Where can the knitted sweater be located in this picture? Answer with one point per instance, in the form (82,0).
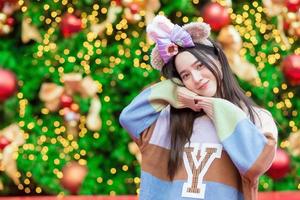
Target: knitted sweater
(223,161)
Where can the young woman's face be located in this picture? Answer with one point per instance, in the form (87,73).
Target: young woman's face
(195,75)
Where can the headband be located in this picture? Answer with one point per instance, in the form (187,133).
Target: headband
(168,37)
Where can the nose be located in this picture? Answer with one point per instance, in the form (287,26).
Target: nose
(197,76)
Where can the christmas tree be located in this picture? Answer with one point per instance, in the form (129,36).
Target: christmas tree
(68,68)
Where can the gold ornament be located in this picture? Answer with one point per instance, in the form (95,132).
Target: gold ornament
(294,143)
(274,7)
(152,6)
(50,93)
(9,154)
(293,21)
(29,32)
(72,83)
(3,17)
(88,87)
(232,43)
(4,28)
(93,121)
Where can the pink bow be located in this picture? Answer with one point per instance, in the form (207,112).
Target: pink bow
(168,37)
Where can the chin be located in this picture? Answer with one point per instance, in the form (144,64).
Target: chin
(210,92)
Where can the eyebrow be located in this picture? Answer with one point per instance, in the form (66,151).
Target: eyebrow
(194,63)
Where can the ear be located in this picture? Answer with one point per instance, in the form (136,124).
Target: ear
(155,59)
(160,27)
(199,31)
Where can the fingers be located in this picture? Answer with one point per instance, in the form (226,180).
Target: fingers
(204,104)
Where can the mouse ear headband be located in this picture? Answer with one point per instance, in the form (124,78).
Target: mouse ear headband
(168,37)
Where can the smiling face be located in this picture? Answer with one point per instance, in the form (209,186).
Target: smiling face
(195,75)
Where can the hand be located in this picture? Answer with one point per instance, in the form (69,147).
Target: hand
(186,98)
(189,99)
(206,104)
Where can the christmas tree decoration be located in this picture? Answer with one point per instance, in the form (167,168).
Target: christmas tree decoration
(50,93)
(6,25)
(66,101)
(8,84)
(70,24)
(292,23)
(72,83)
(134,7)
(117,2)
(277,8)
(292,5)
(56,97)
(3,142)
(132,12)
(112,14)
(216,16)
(294,143)
(93,121)
(274,7)
(88,87)
(29,32)
(232,43)
(11,138)
(280,166)
(151,7)
(291,69)
(73,176)
(10,21)
(71,118)
(9,7)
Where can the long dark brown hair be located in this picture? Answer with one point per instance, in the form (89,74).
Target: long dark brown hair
(182,120)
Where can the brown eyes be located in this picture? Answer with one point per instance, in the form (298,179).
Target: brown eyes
(200,66)
(185,76)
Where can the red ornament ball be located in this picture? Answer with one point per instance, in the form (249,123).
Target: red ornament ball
(73,176)
(70,24)
(216,16)
(1,4)
(291,69)
(292,5)
(3,142)
(10,21)
(8,84)
(134,8)
(280,166)
(118,2)
(66,101)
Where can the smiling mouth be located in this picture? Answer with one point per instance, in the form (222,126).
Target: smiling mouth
(203,85)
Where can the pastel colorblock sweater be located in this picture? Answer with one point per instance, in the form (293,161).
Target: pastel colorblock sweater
(223,161)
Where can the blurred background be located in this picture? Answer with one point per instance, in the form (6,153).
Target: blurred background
(68,67)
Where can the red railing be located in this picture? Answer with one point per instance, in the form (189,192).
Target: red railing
(261,196)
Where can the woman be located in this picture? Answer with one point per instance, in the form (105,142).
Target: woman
(199,135)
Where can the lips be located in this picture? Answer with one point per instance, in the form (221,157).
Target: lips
(203,85)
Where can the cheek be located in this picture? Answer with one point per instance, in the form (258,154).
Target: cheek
(188,84)
(210,76)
